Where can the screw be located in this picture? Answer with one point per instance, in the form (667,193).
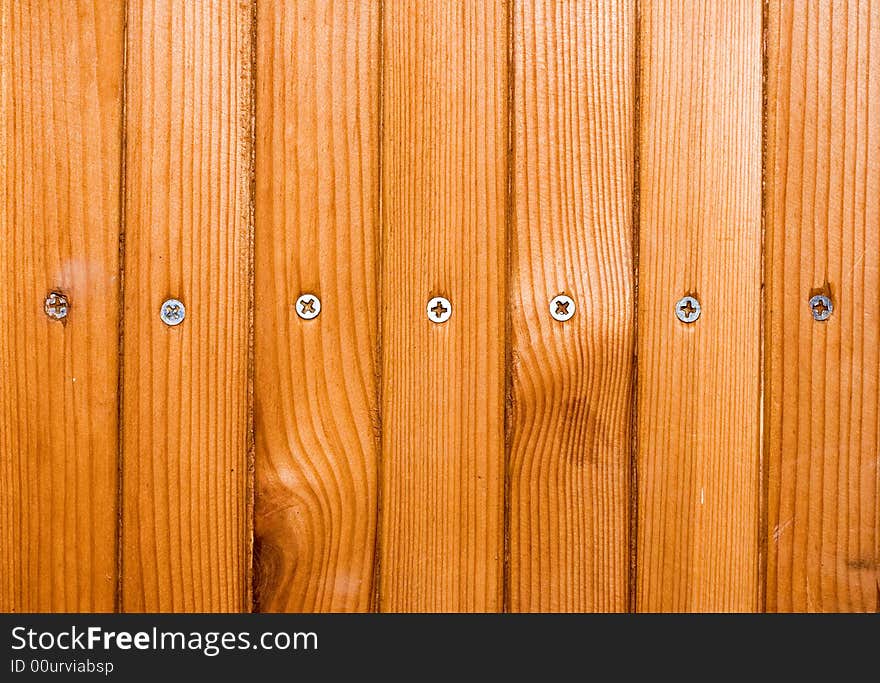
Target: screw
(688,309)
(308,306)
(172,312)
(56,306)
(821,307)
(439,309)
(562,307)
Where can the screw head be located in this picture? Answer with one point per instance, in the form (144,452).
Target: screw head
(821,307)
(439,309)
(562,308)
(688,309)
(172,312)
(56,306)
(308,306)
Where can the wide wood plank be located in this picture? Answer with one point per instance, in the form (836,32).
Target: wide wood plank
(316,232)
(187,210)
(571,381)
(700,234)
(444,176)
(60,135)
(823,236)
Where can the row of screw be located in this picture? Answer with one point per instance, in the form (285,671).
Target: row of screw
(688,309)
(562,308)
(57,306)
(439,309)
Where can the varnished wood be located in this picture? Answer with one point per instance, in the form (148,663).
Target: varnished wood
(316,232)
(570,414)
(444,181)
(823,235)
(699,385)
(60,135)
(187,213)
(237,153)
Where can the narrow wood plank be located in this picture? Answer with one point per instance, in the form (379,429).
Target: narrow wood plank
(823,236)
(571,381)
(60,136)
(700,234)
(187,205)
(444,174)
(316,232)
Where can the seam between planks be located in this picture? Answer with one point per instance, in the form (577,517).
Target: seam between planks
(379,362)
(763,405)
(120,313)
(508,309)
(250,436)
(634,384)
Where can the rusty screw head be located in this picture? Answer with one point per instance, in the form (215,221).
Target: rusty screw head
(172,312)
(56,306)
(821,307)
(687,309)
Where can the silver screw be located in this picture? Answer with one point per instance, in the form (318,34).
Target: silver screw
(439,309)
(687,309)
(562,307)
(308,306)
(56,306)
(172,312)
(821,307)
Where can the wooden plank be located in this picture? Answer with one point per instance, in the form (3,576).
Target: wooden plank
(444,173)
(185,405)
(700,234)
(60,136)
(316,232)
(823,236)
(570,414)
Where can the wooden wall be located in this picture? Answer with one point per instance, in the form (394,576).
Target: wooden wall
(235,154)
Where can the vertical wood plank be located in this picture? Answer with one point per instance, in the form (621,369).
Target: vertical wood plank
(823,236)
(316,232)
(700,234)
(444,139)
(60,135)
(571,381)
(185,404)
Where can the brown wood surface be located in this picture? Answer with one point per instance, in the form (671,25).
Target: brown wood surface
(823,236)
(570,413)
(235,154)
(444,186)
(60,135)
(316,232)
(185,527)
(700,234)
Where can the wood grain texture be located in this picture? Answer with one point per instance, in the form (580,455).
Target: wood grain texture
(823,236)
(570,413)
(316,232)
(700,234)
(187,206)
(444,176)
(60,135)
